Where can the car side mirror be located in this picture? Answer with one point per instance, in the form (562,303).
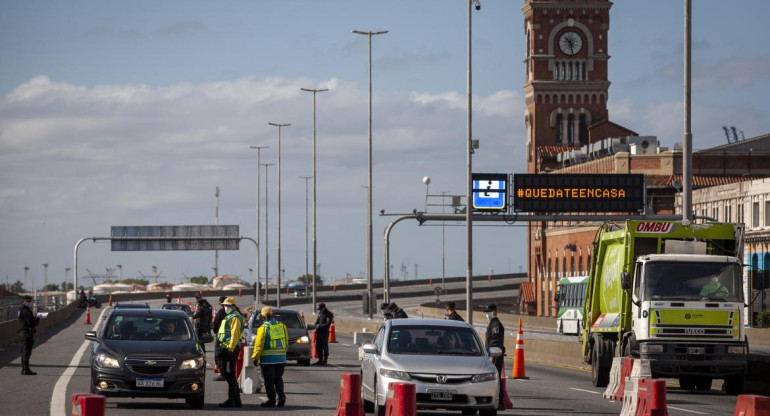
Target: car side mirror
(625,281)
(495,352)
(91,336)
(206,338)
(369,348)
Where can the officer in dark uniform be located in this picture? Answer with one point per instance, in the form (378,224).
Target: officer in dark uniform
(322,326)
(27,333)
(396,312)
(451,313)
(495,337)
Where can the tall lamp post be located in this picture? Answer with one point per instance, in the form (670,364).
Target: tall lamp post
(259,197)
(369,204)
(315,181)
(278,289)
(469,180)
(307,178)
(267,234)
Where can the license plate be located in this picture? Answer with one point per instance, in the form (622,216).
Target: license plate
(149,382)
(696,350)
(441,395)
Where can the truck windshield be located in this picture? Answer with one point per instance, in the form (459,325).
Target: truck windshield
(693,281)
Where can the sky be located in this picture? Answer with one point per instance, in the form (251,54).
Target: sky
(132,113)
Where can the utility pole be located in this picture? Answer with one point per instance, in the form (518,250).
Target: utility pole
(267,232)
(259,218)
(216,219)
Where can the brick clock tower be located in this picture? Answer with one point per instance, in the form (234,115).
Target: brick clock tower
(566,75)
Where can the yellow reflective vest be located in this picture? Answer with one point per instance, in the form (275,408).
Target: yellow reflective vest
(271,343)
(229,334)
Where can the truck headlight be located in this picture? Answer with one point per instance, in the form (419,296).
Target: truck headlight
(192,364)
(398,375)
(736,349)
(104,360)
(303,340)
(651,348)
(480,378)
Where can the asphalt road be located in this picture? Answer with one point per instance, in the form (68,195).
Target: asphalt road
(61,360)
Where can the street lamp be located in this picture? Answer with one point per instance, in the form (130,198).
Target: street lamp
(426,181)
(278,291)
(469,179)
(369,205)
(120,271)
(307,178)
(259,195)
(315,181)
(267,233)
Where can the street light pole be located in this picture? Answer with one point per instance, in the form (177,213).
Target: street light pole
(687,145)
(306,178)
(469,180)
(259,197)
(267,233)
(315,181)
(443,239)
(278,289)
(369,276)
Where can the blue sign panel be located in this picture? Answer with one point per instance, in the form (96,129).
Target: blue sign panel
(490,191)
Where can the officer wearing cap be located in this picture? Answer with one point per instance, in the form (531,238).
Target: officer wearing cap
(229,340)
(27,333)
(322,324)
(451,313)
(202,318)
(495,337)
(270,346)
(396,312)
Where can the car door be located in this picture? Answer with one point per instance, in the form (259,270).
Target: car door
(369,365)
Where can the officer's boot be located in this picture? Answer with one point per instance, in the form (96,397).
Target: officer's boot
(26,371)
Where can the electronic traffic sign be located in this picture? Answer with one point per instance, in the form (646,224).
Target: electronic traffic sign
(578,193)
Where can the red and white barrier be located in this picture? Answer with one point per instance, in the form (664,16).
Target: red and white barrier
(752,405)
(349,403)
(651,398)
(630,394)
(612,385)
(401,400)
(87,404)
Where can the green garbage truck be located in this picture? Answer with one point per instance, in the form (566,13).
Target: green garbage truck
(670,292)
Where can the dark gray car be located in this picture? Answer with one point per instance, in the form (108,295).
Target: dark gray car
(299,340)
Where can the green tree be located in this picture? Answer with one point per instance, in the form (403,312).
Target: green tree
(52,287)
(201,280)
(307,280)
(68,286)
(17,287)
(132,281)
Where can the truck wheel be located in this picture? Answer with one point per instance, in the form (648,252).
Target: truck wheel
(733,385)
(703,383)
(687,382)
(600,371)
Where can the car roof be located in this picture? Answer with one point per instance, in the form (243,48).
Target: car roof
(426,322)
(175,304)
(138,305)
(155,313)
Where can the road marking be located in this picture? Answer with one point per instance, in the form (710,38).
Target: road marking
(687,410)
(346,345)
(59,395)
(335,365)
(587,391)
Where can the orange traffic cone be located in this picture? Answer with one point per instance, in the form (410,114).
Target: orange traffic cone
(239,292)
(430,282)
(287,290)
(110,299)
(332,333)
(518,358)
(88,315)
(489,278)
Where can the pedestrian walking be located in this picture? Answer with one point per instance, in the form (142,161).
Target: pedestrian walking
(495,337)
(202,318)
(27,333)
(451,313)
(217,323)
(396,312)
(229,340)
(270,346)
(322,324)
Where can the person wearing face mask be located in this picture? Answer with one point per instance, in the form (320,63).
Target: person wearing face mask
(495,337)
(322,325)
(270,346)
(229,340)
(27,333)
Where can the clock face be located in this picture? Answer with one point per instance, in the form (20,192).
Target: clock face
(570,43)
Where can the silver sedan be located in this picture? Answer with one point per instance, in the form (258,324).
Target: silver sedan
(445,360)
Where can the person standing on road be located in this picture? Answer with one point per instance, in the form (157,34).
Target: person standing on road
(270,346)
(168,297)
(27,333)
(217,323)
(451,313)
(229,340)
(202,318)
(322,324)
(396,312)
(495,337)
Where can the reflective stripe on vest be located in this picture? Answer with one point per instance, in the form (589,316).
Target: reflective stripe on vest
(277,335)
(224,334)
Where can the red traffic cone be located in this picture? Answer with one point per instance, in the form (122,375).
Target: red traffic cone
(430,282)
(239,292)
(518,358)
(110,299)
(489,278)
(313,351)
(332,333)
(88,315)
(506,400)
(349,402)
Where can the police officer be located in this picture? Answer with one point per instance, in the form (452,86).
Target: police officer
(495,337)
(202,318)
(396,312)
(451,313)
(322,324)
(229,340)
(270,346)
(27,333)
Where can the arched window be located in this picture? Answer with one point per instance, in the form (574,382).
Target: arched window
(559,119)
(580,265)
(556,267)
(564,267)
(571,129)
(572,265)
(583,129)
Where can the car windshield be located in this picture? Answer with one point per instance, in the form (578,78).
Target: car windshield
(290,319)
(146,328)
(693,281)
(434,340)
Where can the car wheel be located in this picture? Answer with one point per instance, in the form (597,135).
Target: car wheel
(304,362)
(687,382)
(492,412)
(469,412)
(733,385)
(703,383)
(379,410)
(197,402)
(368,406)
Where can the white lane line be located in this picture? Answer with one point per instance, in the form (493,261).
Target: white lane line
(586,391)
(59,396)
(345,345)
(687,410)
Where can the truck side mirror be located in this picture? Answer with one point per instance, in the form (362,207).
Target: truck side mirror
(625,281)
(557,296)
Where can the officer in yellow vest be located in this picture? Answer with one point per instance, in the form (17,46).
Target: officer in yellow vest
(229,340)
(270,352)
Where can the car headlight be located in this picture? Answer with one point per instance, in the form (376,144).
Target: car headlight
(398,375)
(192,364)
(480,378)
(303,340)
(104,360)
(651,348)
(736,349)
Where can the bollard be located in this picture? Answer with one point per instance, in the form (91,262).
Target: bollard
(349,403)
(332,333)
(87,404)
(401,400)
(752,405)
(88,314)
